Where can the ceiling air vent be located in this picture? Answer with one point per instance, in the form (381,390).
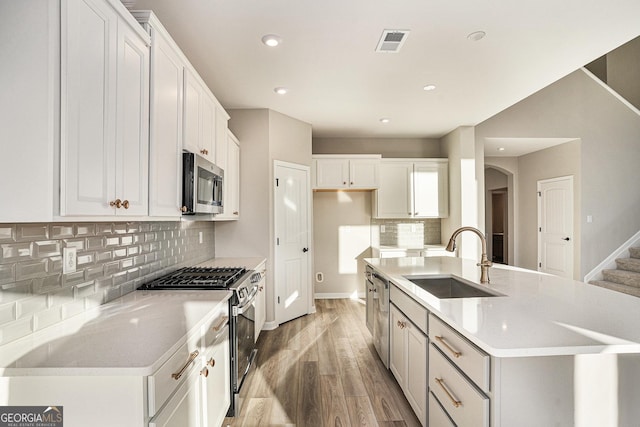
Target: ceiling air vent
(392,40)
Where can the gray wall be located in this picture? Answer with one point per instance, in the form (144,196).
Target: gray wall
(466,189)
(579,107)
(113,260)
(387,147)
(561,160)
(342,234)
(623,71)
(264,136)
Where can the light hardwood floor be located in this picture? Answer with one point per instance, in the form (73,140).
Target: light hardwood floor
(322,370)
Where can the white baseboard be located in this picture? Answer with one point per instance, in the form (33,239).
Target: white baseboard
(348,295)
(269,326)
(610,262)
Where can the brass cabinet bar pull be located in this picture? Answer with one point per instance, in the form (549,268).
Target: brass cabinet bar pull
(192,357)
(454,401)
(453,351)
(223,321)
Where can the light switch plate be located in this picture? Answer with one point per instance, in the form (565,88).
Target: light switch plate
(69,260)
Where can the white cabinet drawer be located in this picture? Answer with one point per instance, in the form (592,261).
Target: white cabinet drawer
(414,311)
(471,360)
(465,404)
(162,383)
(438,417)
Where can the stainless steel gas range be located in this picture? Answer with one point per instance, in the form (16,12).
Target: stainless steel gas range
(244,284)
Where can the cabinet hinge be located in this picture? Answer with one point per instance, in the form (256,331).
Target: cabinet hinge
(277,241)
(277,182)
(539,264)
(278,300)
(540,229)
(539,193)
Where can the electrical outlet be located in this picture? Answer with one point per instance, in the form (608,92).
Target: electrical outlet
(69,260)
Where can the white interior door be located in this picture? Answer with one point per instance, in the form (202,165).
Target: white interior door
(555,226)
(292,235)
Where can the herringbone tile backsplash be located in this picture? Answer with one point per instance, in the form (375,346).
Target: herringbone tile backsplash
(113,260)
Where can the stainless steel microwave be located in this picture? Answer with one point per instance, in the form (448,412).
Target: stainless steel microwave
(201,185)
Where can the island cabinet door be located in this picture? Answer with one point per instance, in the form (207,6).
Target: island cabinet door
(409,361)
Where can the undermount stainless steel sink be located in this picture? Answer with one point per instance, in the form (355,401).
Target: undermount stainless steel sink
(450,287)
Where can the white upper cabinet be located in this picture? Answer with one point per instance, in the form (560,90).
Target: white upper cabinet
(199,116)
(345,172)
(412,188)
(394,197)
(166,102)
(222,121)
(104,112)
(431,189)
(231,195)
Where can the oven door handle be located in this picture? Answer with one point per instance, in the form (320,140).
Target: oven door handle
(241,310)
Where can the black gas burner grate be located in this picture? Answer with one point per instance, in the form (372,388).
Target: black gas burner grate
(197,278)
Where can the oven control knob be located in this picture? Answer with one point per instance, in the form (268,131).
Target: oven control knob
(242,293)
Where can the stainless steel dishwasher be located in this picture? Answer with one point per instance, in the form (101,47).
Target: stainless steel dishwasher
(381,316)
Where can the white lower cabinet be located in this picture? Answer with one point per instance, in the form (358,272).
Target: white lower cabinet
(216,381)
(460,397)
(182,410)
(190,389)
(408,361)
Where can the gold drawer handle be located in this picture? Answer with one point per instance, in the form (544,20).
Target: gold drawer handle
(402,325)
(223,321)
(211,362)
(454,401)
(116,203)
(204,372)
(125,204)
(192,357)
(453,351)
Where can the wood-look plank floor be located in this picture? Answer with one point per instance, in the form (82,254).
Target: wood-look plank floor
(322,370)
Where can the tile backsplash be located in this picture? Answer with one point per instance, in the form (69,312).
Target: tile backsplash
(411,233)
(113,259)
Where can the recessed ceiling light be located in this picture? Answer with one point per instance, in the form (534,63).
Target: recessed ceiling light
(385,120)
(429,87)
(500,148)
(271,40)
(476,36)
(281,90)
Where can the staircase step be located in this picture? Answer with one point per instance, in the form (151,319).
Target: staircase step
(629,264)
(631,290)
(634,252)
(629,278)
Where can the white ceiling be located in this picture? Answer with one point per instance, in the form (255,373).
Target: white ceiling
(340,85)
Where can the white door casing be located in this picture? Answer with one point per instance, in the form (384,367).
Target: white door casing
(292,240)
(555,226)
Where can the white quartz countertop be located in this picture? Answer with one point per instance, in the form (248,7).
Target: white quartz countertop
(133,335)
(539,314)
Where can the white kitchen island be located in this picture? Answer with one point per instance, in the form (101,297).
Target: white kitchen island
(548,352)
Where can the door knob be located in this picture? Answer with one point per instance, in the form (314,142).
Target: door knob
(566,239)
(305,249)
